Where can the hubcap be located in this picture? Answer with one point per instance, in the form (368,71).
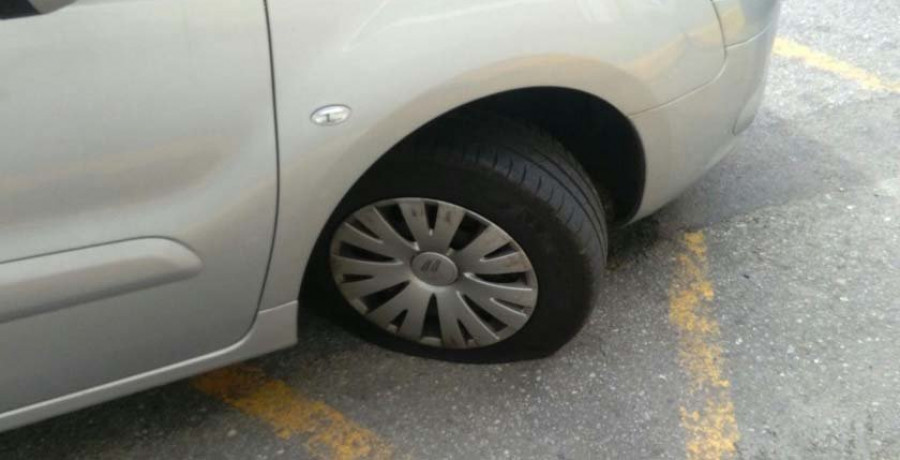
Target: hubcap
(434,273)
(435,269)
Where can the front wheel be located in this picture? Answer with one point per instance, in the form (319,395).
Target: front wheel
(478,237)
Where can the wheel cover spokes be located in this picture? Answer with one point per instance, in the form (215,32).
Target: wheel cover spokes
(434,273)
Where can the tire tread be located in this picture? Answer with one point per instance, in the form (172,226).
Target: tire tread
(502,143)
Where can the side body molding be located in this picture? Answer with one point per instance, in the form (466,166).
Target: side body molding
(45,283)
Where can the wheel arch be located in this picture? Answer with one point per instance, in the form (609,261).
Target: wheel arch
(401,64)
(600,137)
(540,94)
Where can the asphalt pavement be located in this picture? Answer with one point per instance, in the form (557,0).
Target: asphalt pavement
(757,317)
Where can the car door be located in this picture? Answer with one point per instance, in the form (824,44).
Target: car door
(138,176)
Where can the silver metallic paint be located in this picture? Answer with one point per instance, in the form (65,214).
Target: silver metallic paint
(126,119)
(120,120)
(686,137)
(44,283)
(273,329)
(49,6)
(743,19)
(426,57)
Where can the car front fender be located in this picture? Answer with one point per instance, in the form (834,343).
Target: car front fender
(401,63)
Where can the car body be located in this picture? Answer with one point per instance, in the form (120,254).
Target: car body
(163,186)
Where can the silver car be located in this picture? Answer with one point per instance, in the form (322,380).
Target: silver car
(440,174)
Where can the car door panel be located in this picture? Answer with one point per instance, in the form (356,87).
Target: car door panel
(123,124)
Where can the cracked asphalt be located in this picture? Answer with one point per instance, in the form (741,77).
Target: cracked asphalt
(800,231)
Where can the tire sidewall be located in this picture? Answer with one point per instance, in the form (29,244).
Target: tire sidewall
(565,280)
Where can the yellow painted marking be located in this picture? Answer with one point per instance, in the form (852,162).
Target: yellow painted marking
(329,434)
(711,428)
(790,49)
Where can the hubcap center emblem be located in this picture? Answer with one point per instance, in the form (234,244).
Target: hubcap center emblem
(435,269)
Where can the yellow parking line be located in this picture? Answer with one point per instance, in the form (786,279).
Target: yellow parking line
(790,49)
(708,419)
(329,434)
